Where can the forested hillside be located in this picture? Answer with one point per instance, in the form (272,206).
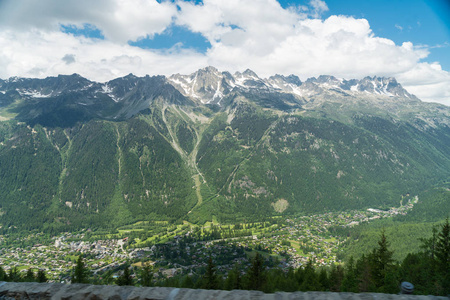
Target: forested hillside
(79,154)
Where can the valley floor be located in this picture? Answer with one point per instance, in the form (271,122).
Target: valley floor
(185,248)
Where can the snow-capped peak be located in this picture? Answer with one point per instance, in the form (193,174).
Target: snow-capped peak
(208,85)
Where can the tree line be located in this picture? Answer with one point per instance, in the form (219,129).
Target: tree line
(14,275)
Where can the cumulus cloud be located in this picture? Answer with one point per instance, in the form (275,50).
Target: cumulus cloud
(428,81)
(257,34)
(27,54)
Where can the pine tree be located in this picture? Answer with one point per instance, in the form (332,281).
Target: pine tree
(429,245)
(29,276)
(443,256)
(41,277)
(125,278)
(324,280)
(146,276)
(364,275)
(310,278)
(336,276)
(381,261)
(187,282)
(3,275)
(210,280)
(233,281)
(80,272)
(349,283)
(256,275)
(13,275)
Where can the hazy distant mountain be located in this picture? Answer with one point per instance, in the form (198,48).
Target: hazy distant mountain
(80,153)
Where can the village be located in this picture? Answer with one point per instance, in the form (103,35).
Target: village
(287,243)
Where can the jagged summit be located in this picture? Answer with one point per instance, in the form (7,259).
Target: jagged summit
(209,85)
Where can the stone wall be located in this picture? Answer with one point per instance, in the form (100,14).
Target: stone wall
(42,291)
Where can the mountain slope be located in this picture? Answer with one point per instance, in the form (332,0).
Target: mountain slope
(76,153)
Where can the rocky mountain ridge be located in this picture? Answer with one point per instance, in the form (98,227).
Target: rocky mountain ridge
(124,97)
(208,85)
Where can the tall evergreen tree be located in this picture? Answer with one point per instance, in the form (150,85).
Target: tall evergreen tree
(443,256)
(256,275)
(29,276)
(80,272)
(187,282)
(324,280)
(233,281)
(210,279)
(3,275)
(381,261)
(41,277)
(146,275)
(13,275)
(125,278)
(336,276)
(429,245)
(310,278)
(349,283)
(364,274)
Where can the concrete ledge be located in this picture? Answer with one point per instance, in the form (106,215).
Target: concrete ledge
(43,291)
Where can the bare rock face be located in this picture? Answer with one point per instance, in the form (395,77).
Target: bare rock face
(43,291)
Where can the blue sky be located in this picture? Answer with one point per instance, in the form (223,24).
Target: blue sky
(105,39)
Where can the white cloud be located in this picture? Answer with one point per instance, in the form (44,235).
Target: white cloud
(27,54)
(427,81)
(256,34)
(319,7)
(119,20)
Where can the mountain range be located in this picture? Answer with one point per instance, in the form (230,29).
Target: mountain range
(76,153)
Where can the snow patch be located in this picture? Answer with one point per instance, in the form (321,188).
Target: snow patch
(218,93)
(296,90)
(240,81)
(181,84)
(385,91)
(33,93)
(192,92)
(86,87)
(108,91)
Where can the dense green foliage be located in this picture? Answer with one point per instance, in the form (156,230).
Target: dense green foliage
(125,278)
(29,170)
(315,164)
(157,156)
(405,230)
(30,275)
(80,272)
(374,271)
